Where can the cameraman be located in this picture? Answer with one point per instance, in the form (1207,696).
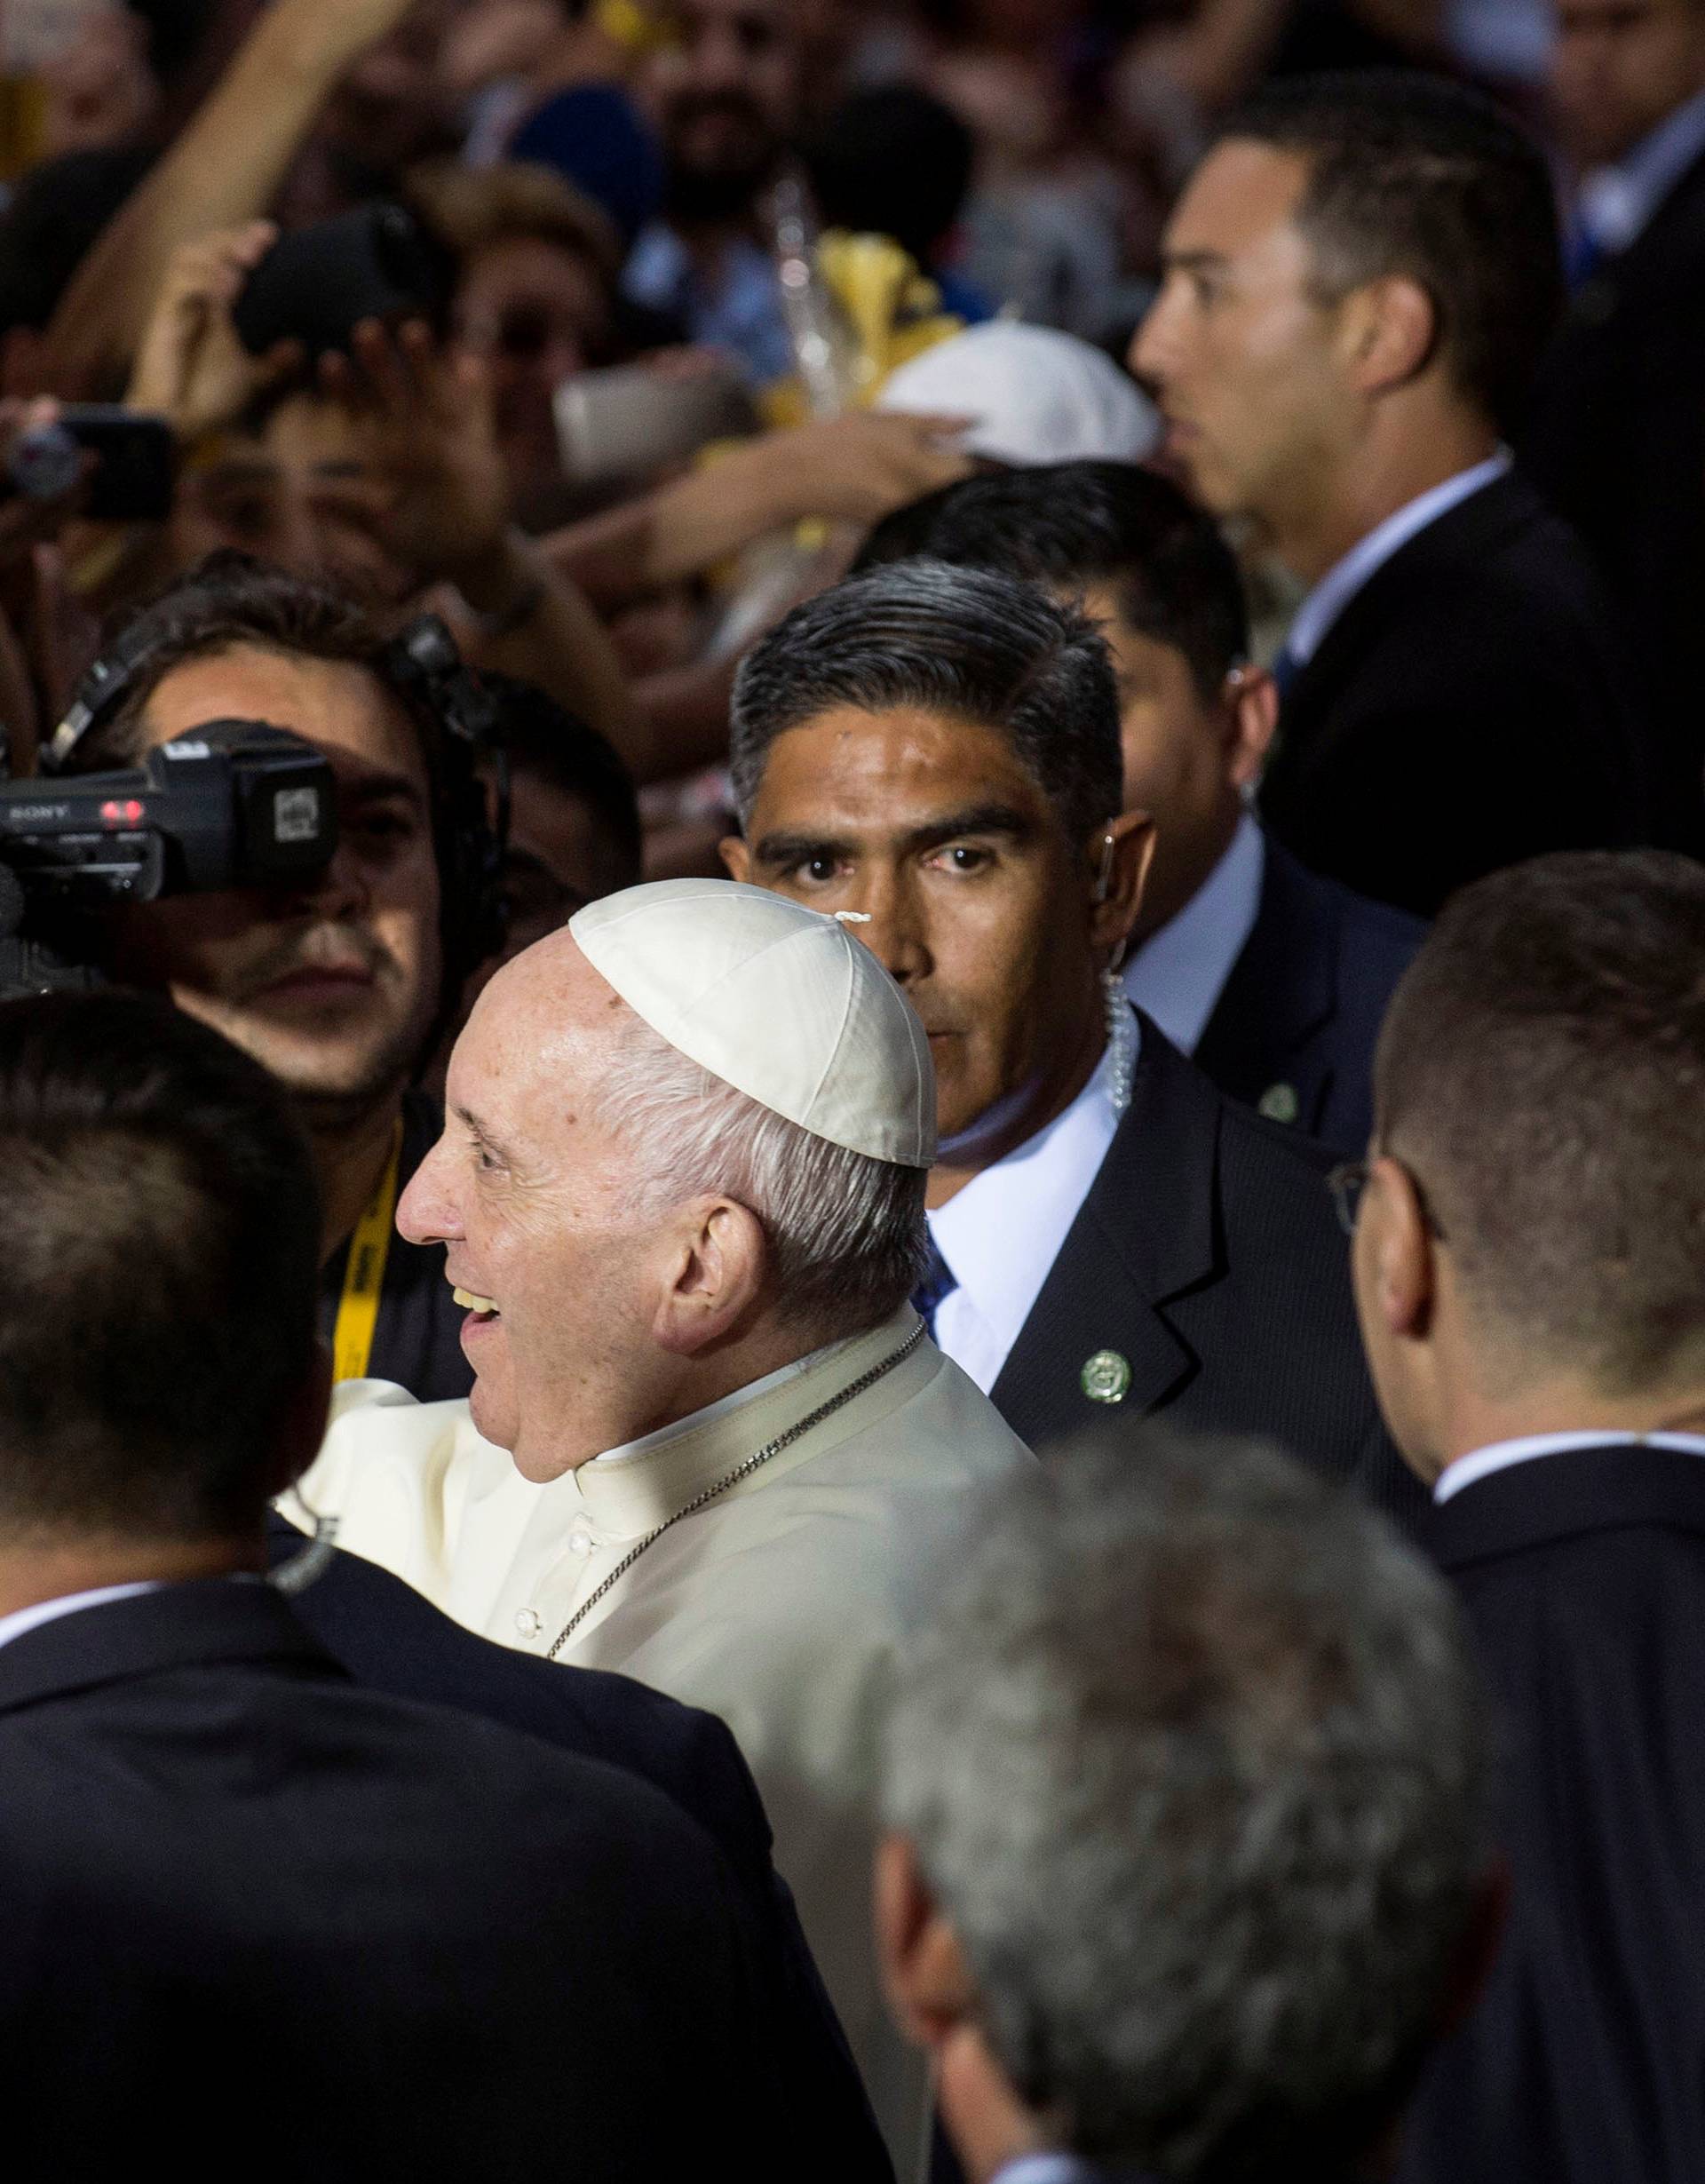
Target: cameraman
(339,984)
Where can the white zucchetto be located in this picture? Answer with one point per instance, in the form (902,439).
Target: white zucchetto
(1037,395)
(776,1000)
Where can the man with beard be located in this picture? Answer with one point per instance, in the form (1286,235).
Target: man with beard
(336,983)
(726,96)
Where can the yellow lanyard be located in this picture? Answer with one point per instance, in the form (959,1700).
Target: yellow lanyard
(358,1308)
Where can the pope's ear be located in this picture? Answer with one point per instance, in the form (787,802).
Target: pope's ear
(718,1258)
(736,858)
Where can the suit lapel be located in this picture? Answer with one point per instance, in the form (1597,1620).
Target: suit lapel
(1474,528)
(1283,986)
(1145,1233)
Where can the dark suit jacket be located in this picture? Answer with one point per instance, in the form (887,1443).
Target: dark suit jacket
(1583,1575)
(1296,1023)
(256,1918)
(390,1639)
(1469,708)
(1208,1257)
(1615,440)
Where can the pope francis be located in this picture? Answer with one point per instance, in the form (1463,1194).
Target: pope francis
(681,1189)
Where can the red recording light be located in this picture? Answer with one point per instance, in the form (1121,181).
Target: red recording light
(127,813)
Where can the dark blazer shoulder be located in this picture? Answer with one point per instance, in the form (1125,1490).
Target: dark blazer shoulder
(1583,1573)
(1587,1495)
(1485,651)
(1293,1032)
(385,1635)
(1499,560)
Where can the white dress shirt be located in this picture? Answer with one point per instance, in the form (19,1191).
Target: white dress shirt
(1004,1231)
(1179,972)
(1342,582)
(1615,204)
(24,1619)
(1481,1463)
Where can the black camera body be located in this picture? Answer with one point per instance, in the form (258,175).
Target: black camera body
(230,804)
(317,284)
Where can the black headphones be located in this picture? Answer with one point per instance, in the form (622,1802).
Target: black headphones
(459,720)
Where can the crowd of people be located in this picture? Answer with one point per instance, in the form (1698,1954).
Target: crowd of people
(853,1088)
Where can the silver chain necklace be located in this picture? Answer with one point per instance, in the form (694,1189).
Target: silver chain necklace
(741,1471)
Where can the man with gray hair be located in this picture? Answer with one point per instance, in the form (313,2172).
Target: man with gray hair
(1186,1870)
(681,1185)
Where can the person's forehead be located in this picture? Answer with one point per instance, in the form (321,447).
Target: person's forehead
(306,434)
(547,263)
(889,767)
(335,704)
(537,1035)
(1243,196)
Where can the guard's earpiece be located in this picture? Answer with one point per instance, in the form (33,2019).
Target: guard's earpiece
(1104,877)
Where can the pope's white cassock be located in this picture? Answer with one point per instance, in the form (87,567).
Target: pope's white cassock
(781,1604)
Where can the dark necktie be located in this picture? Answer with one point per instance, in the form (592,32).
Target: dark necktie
(940,1282)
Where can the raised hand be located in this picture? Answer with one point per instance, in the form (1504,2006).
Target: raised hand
(191,367)
(423,428)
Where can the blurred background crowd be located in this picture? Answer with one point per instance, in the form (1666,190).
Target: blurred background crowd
(1180,525)
(608,219)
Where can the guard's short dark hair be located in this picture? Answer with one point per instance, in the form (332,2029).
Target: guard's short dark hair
(562,749)
(229,601)
(965,642)
(160,1230)
(1542,1070)
(1409,174)
(1072,525)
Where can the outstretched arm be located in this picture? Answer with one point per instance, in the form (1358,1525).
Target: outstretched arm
(223,170)
(853,469)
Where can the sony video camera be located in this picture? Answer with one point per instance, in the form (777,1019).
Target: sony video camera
(230,804)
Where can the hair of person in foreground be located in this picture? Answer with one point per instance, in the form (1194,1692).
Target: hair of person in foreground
(1187,1865)
(160,1228)
(1539,1122)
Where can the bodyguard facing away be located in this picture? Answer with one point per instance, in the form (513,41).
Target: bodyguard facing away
(233,1886)
(1187,1861)
(1530,1266)
(1360,279)
(933,753)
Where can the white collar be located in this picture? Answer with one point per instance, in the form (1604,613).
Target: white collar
(22,1619)
(1615,204)
(1500,1455)
(1003,1232)
(629,1450)
(1179,972)
(1342,582)
(632,1489)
